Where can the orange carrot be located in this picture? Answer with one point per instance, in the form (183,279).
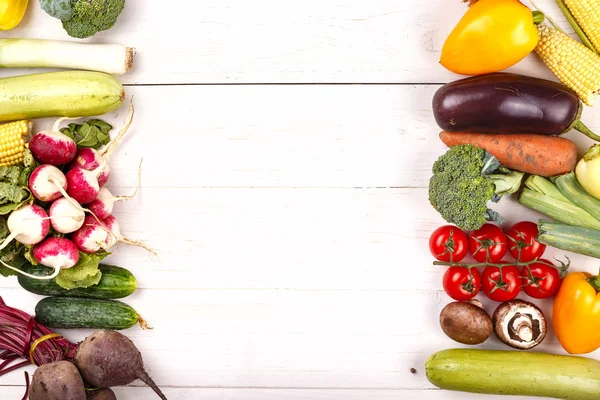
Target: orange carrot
(534,154)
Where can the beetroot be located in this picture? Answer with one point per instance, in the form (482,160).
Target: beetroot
(108,358)
(105,358)
(57,381)
(101,394)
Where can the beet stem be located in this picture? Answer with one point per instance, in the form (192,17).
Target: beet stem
(144,377)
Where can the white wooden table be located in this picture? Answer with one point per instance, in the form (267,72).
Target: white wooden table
(287,148)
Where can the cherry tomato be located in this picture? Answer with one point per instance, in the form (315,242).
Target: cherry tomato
(488,243)
(541,280)
(522,237)
(501,284)
(460,284)
(448,243)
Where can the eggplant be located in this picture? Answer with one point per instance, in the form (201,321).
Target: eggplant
(508,103)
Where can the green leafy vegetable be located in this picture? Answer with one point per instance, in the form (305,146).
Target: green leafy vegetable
(464,180)
(13,193)
(92,16)
(82,275)
(28,254)
(60,9)
(11,254)
(93,133)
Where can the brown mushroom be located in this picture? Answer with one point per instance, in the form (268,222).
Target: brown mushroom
(519,324)
(466,323)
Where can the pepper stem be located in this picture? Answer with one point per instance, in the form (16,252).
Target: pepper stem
(571,20)
(538,17)
(580,126)
(594,281)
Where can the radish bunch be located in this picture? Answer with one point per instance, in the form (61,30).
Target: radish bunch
(78,204)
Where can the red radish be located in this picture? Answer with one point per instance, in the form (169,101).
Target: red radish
(82,185)
(53,147)
(66,215)
(28,225)
(113,225)
(57,253)
(90,159)
(92,236)
(103,205)
(46,182)
(97,161)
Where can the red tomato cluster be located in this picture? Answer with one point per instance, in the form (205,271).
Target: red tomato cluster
(489,245)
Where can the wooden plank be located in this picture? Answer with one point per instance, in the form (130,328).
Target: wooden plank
(283,338)
(234,41)
(295,136)
(293,238)
(278,394)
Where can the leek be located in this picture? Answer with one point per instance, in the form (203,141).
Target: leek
(39,53)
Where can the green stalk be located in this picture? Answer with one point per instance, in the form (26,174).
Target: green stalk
(563,211)
(570,238)
(545,187)
(572,189)
(571,20)
(38,53)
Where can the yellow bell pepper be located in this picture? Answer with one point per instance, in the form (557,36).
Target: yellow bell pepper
(576,313)
(490,37)
(11,13)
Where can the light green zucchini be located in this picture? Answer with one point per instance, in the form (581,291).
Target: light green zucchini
(59,94)
(515,373)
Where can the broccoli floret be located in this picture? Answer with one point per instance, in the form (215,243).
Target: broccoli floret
(92,16)
(60,9)
(462,185)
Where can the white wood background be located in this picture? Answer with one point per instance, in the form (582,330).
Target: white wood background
(287,148)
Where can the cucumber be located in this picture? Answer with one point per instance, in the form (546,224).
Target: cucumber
(59,94)
(115,283)
(515,373)
(78,313)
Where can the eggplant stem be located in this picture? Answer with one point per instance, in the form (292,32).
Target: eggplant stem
(573,22)
(580,126)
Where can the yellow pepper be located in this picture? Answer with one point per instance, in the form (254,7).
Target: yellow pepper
(490,37)
(11,13)
(576,313)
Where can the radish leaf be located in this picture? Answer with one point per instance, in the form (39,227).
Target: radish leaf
(84,274)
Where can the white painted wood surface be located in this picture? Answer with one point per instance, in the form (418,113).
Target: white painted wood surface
(291,220)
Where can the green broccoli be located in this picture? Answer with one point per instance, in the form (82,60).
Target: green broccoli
(84,18)
(464,180)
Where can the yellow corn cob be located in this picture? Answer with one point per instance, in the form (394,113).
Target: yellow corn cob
(587,15)
(12,142)
(576,66)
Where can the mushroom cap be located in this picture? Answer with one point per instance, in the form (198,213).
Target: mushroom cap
(519,324)
(466,323)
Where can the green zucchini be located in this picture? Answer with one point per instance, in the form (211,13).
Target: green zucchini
(570,238)
(78,313)
(515,373)
(59,94)
(115,283)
